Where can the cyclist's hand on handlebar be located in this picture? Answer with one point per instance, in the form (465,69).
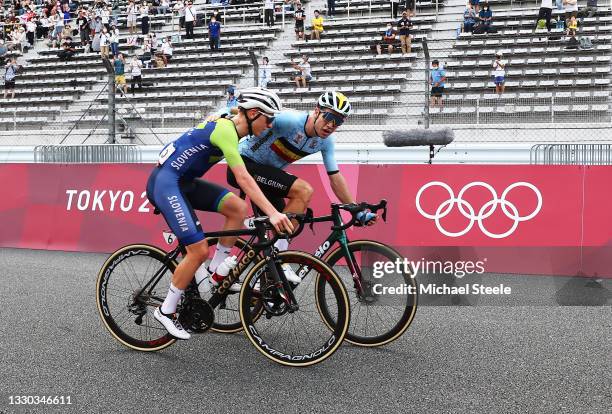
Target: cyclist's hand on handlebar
(366,218)
(281,223)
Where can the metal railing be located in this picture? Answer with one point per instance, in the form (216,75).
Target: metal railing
(571,154)
(78,154)
(501,110)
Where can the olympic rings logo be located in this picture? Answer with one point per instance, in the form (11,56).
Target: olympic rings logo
(468,211)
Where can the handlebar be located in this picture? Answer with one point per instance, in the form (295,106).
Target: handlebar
(355,208)
(263,223)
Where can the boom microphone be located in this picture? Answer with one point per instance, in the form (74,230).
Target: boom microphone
(417,137)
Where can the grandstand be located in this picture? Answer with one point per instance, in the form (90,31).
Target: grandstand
(548,87)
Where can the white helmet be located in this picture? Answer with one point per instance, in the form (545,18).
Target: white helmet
(336,101)
(261,98)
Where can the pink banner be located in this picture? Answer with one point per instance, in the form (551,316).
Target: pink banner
(518,219)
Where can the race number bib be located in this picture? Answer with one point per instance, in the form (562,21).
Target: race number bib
(166,153)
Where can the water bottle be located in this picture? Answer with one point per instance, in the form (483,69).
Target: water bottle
(225,267)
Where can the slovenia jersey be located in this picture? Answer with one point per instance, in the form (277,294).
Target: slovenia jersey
(287,142)
(197,150)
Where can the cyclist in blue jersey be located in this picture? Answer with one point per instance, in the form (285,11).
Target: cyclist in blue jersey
(175,189)
(295,135)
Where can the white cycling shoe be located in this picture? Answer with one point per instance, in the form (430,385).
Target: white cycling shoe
(172,324)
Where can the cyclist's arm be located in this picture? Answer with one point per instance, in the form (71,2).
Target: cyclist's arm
(340,188)
(336,179)
(225,138)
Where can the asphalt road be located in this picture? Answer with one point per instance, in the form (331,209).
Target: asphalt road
(513,357)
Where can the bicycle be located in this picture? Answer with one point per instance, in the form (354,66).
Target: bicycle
(267,301)
(377,319)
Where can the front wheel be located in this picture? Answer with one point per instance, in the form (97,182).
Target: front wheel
(293,333)
(384,306)
(125,305)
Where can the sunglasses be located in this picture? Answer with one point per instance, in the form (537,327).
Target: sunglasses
(330,117)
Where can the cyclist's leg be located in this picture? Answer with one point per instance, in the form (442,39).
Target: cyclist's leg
(206,196)
(273,182)
(165,193)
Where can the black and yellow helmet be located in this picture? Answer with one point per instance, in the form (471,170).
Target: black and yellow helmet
(336,101)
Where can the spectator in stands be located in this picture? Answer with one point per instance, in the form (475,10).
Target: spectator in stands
(571,9)
(114,40)
(590,10)
(3,52)
(545,14)
(331,8)
(190,17)
(232,98)
(146,55)
(572,27)
(20,39)
(116,10)
(214,34)
(104,43)
(300,16)
(119,63)
(499,73)
(405,26)
(289,6)
(67,32)
(163,7)
(388,39)
(485,16)
(96,25)
(469,18)
(83,23)
(58,24)
(144,18)
(394,8)
(410,7)
(179,9)
(305,71)
(269,12)
(265,72)
(131,16)
(475,5)
(167,50)
(437,79)
(31,30)
(317,26)
(105,14)
(10,74)
(42,30)
(217,14)
(68,51)
(136,72)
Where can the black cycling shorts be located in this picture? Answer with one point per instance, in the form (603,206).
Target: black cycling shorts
(273,182)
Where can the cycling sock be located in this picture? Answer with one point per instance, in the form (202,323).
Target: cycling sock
(172,299)
(282,245)
(220,255)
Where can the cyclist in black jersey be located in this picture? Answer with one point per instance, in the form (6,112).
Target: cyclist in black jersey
(175,189)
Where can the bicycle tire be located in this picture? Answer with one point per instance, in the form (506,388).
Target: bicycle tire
(403,316)
(114,265)
(336,332)
(228,320)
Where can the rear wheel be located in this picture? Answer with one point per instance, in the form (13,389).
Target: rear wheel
(377,318)
(126,310)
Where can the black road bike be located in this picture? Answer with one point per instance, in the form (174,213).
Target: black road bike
(282,322)
(383,301)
